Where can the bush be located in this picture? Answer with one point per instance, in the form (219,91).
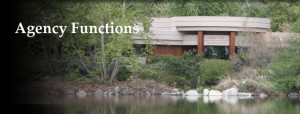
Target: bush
(123,74)
(213,70)
(227,82)
(251,85)
(182,70)
(286,69)
(73,74)
(288,83)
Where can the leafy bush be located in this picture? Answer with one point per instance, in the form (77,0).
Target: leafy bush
(251,85)
(123,74)
(182,70)
(74,73)
(288,83)
(286,69)
(227,82)
(156,71)
(213,70)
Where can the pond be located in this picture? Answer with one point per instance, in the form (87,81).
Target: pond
(164,105)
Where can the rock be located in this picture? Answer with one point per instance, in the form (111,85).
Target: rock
(175,90)
(244,82)
(179,93)
(205,92)
(111,93)
(246,97)
(124,92)
(98,92)
(192,93)
(117,89)
(293,94)
(175,93)
(165,93)
(246,94)
(215,93)
(262,95)
(231,92)
(81,94)
(68,92)
(147,93)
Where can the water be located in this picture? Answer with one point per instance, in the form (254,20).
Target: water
(165,105)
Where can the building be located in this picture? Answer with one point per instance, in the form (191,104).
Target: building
(211,35)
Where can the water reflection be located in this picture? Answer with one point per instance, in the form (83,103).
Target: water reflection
(169,105)
(192,99)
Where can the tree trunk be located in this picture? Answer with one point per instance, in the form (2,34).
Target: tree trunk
(114,72)
(103,58)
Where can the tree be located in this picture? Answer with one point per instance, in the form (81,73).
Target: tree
(286,69)
(102,56)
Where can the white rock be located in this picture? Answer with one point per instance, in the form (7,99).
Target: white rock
(246,97)
(205,92)
(231,92)
(98,92)
(175,90)
(262,95)
(245,94)
(165,93)
(214,93)
(192,93)
(244,82)
(81,94)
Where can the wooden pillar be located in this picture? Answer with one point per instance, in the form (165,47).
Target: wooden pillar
(201,43)
(231,44)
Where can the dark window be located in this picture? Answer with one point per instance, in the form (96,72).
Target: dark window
(216,52)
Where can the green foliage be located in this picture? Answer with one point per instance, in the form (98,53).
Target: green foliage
(156,70)
(74,74)
(296,26)
(180,71)
(200,89)
(288,83)
(123,74)
(227,82)
(103,56)
(213,70)
(286,69)
(252,85)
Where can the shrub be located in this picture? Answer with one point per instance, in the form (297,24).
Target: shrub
(227,82)
(288,83)
(213,70)
(182,70)
(201,88)
(251,85)
(73,74)
(286,69)
(123,74)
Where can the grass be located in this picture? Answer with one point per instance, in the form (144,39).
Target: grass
(227,82)
(247,85)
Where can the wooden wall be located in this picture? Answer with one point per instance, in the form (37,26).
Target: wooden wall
(163,49)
